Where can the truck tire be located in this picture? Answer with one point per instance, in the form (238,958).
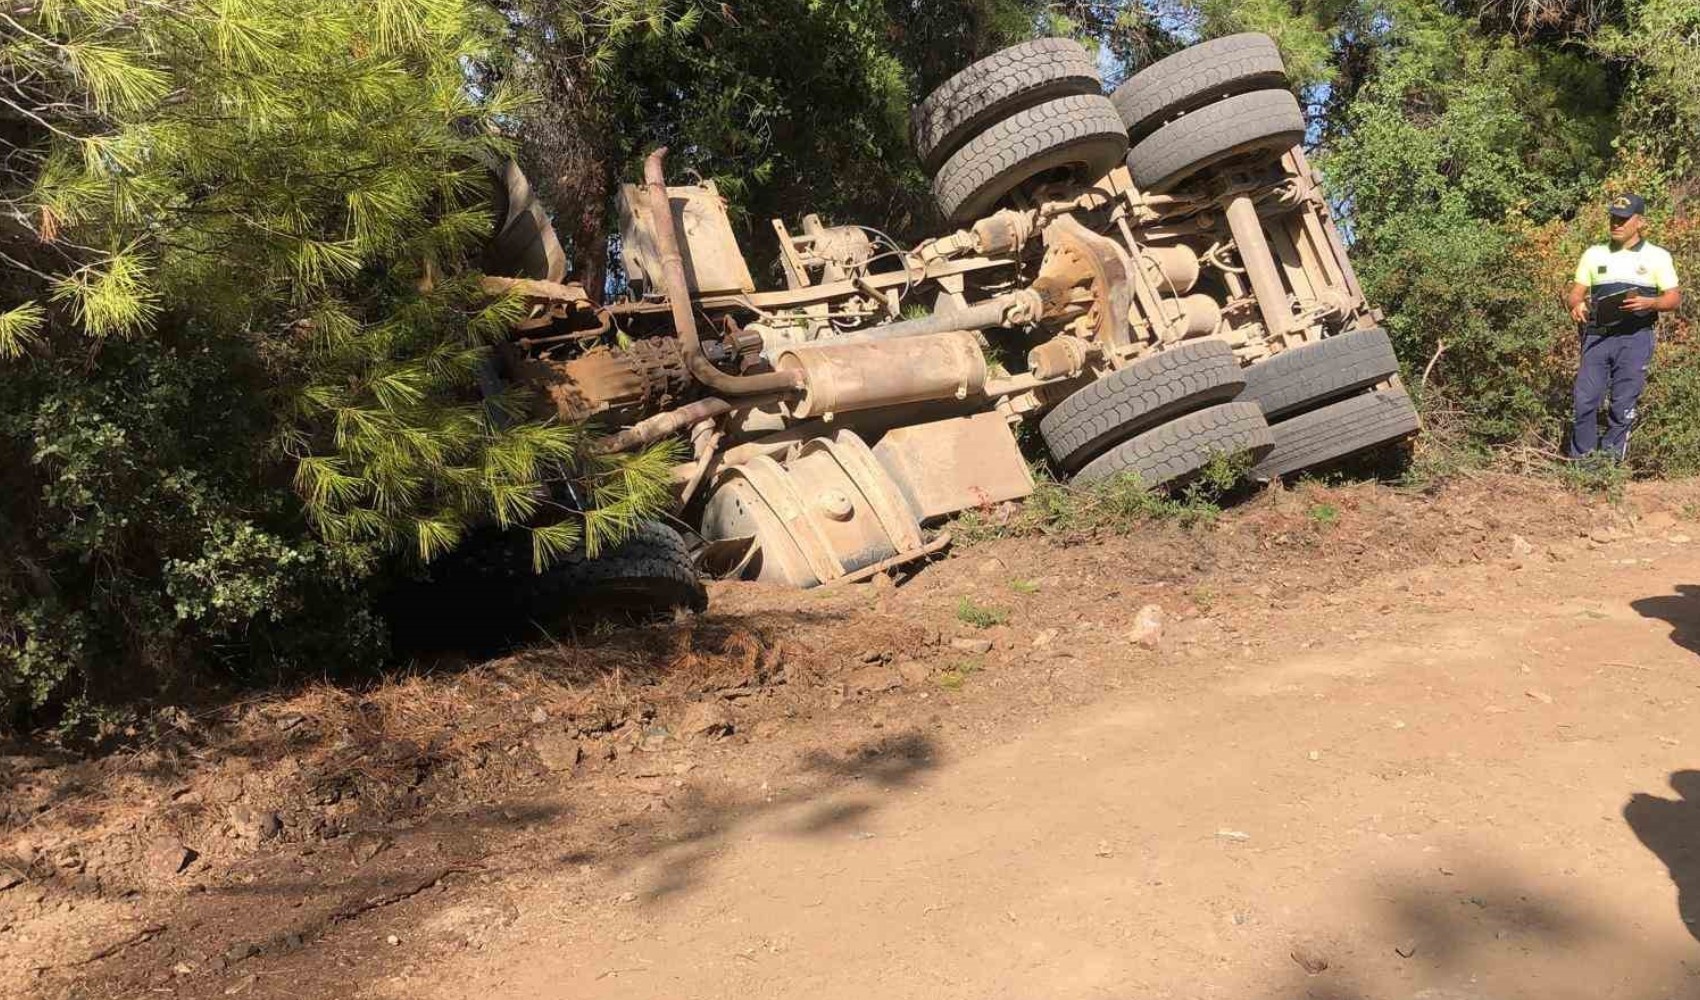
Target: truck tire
(1196,76)
(1315,374)
(649,573)
(484,598)
(1263,121)
(996,87)
(1171,453)
(1337,431)
(1166,385)
(1082,134)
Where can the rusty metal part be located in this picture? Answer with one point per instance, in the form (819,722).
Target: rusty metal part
(948,465)
(1272,301)
(1173,269)
(604,324)
(775,440)
(963,241)
(1060,357)
(712,263)
(635,381)
(1331,235)
(1015,385)
(1077,258)
(773,339)
(1147,315)
(678,297)
(1198,316)
(747,346)
(837,252)
(938,544)
(536,290)
(863,374)
(827,512)
(525,242)
(785,300)
(1017,308)
(790,258)
(647,432)
(1319,255)
(1303,226)
(1003,232)
(705,441)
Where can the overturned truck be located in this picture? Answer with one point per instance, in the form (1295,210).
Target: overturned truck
(1151,276)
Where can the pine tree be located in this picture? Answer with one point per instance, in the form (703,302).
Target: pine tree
(295,190)
(313,174)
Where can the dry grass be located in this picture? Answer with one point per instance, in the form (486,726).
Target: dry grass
(586,688)
(400,746)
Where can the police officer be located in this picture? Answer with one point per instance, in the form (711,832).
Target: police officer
(1617,337)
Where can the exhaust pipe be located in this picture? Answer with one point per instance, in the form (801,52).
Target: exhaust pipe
(677,290)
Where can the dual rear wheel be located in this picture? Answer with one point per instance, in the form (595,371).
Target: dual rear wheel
(1330,400)
(1035,113)
(1165,417)
(1207,106)
(1032,113)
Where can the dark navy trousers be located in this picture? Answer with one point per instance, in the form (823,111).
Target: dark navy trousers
(1613,365)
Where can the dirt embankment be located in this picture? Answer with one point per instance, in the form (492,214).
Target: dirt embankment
(279,846)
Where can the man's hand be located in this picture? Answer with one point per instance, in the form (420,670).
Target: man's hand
(1576,300)
(1665,301)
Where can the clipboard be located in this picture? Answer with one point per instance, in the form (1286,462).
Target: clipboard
(1608,310)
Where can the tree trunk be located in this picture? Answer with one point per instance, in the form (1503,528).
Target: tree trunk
(570,151)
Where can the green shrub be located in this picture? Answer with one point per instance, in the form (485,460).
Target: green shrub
(979,616)
(1324,515)
(239,336)
(1115,506)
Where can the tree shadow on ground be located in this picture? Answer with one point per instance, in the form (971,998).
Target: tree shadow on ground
(278,917)
(1681,610)
(1485,938)
(677,849)
(1670,828)
(398,746)
(1440,938)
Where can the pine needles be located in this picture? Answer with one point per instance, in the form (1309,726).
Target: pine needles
(286,171)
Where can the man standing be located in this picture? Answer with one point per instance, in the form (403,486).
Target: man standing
(1619,291)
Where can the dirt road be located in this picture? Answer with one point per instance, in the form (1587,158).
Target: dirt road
(1466,792)
(1386,746)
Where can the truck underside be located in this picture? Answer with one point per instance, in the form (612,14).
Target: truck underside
(1153,277)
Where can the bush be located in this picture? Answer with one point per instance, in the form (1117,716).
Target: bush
(240,333)
(144,540)
(1115,506)
(1474,169)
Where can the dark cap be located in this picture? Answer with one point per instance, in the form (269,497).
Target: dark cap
(1626,205)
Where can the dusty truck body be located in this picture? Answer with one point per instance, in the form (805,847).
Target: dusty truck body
(1153,277)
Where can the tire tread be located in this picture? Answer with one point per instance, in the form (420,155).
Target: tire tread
(994,162)
(1173,451)
(1337,431)
(999,85)
(1314,374)
(1195,76)
(1262,119)
(654,554)
(1168,384)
